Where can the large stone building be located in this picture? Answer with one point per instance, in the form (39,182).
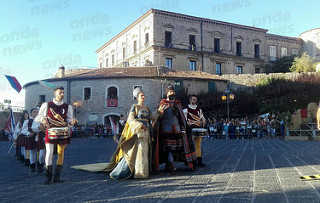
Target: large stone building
(162,48)
(183,42)
(98,93)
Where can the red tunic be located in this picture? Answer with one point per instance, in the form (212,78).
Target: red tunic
(193,116)
(62,111)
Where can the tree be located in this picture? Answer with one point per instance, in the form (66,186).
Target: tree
(281,95)
(304,63)
(281,65)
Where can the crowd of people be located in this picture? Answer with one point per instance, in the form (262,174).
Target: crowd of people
(246,128)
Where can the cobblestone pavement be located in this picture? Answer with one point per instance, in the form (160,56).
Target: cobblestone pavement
(266,170)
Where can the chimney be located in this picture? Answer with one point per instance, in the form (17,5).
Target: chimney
(61,71)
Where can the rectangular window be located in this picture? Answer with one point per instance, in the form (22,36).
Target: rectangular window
(169,63)
(283,51)
(239,69)
(295,52)
(211,86)
(135,47)
(146,39)
(257,70)
(257,51)
(273,53)
(178,86)
(192,65)
(112,60)
(107,62)
(192,42)
(42,99)
(86,93)
(100,65)
(218,69)
(216,45)
(238,47)
(168,39)
(123,53)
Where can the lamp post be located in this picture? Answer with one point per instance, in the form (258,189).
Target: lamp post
(76,106)
(227,97)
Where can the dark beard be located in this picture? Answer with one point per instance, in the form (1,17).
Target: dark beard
(171,97)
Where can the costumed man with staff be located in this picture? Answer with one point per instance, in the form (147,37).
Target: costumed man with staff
(195,120)
(171,142)
(56,116)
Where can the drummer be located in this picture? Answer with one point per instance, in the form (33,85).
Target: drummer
(195,119)
(55,115)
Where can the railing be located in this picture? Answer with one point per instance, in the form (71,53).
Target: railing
(311,131)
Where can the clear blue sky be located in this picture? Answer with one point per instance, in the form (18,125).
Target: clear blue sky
(36,36)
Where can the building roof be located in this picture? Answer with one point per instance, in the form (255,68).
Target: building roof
(182,16)
(135,72)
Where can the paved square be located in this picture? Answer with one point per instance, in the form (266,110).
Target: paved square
(265,170)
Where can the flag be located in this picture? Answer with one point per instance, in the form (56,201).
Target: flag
(46,84)
(14,83)
(10,125)
(113,126)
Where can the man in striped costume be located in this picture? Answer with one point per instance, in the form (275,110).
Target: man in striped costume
(195,119)
(54,116)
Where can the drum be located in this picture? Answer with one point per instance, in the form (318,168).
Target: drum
(58,133)
(199,132)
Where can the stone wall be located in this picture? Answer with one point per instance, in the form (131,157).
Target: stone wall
(248,81)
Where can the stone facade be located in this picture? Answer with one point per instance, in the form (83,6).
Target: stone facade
(179,41)
(248,81)
(95,108)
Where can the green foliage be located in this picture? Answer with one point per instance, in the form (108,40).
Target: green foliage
(281,65)
(304,63)
(281,95)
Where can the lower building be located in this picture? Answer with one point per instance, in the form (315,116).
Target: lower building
(99,93)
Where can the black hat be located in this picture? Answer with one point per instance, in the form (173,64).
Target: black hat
(170,87)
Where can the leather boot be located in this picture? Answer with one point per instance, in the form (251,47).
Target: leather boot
(33,167)
(200,164)
(40,168)
(21,158)
(26,162)
(48,175)
(195,164)
(56,176)
(172,168)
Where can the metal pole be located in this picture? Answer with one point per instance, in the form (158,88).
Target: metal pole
(228,105)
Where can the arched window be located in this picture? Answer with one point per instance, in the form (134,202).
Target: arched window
(112,96)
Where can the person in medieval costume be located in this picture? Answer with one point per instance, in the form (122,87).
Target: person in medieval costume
(120,126)
(195,119)
(31,144)
(41,148)
(56,116)
(171,142)
(19,138)
(132,157)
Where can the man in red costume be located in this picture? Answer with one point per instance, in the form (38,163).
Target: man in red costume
(171,142)
(56,116)
(195,119)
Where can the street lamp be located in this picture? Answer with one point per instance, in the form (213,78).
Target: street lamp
(227,97)
(76,106)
